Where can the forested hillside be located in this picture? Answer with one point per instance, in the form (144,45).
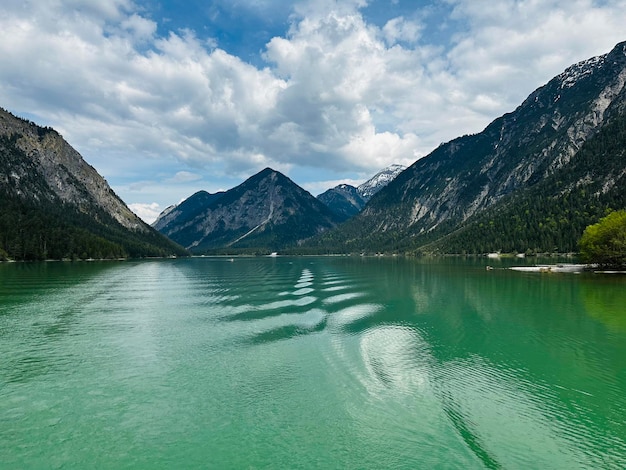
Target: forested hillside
(531,181)
(54,206)
(552,215)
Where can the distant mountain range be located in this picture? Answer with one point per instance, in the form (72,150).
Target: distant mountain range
(531,181)
(265,213)
(55,205)
(347,201)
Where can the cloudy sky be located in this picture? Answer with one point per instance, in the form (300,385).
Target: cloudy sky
(168,97)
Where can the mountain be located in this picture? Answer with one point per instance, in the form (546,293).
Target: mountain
(267,212)
(531,180)
(55,205)
(379,181)
(174,216)
(346,200)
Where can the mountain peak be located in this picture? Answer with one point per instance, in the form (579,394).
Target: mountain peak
(379,181)
(268,211)
(576,72)
(268,172)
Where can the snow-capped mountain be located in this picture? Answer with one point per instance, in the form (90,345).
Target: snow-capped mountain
(346,200)
(379,181)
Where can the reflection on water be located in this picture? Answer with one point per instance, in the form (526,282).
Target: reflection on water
(605,300)
(310,362)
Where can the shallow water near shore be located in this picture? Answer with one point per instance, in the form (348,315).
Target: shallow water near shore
(329,362)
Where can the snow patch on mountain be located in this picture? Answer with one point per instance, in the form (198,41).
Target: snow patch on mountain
(576,72)
(379,181)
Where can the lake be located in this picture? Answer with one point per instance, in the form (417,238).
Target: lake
(320,362)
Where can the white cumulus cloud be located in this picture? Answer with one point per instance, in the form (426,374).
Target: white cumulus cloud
(337,93)
(147,212)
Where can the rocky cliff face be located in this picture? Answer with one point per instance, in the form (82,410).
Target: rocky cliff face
(517,150)
(67,175)
(267,211)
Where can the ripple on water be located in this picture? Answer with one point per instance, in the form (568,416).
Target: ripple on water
(289,326)
(348,315)
(395,359)
(336,288)
(491,408)
(303,291)
(29,366)
(249,312)
(335,299)
(306,276)
(387,380)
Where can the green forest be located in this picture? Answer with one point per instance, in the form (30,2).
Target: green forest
(59,231)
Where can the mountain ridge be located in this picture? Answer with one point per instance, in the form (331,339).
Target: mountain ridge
(59,163)
(470,174)
(531,180)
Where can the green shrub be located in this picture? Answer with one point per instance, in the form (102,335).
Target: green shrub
(604,243)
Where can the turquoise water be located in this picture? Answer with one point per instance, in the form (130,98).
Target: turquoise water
(310,363)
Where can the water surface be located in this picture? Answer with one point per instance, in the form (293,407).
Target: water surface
(309,363)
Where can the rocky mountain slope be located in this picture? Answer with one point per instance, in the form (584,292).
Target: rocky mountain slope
(265,213)
(55,205)
(174,216)
(540,141)
(67,175)
(346,200)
